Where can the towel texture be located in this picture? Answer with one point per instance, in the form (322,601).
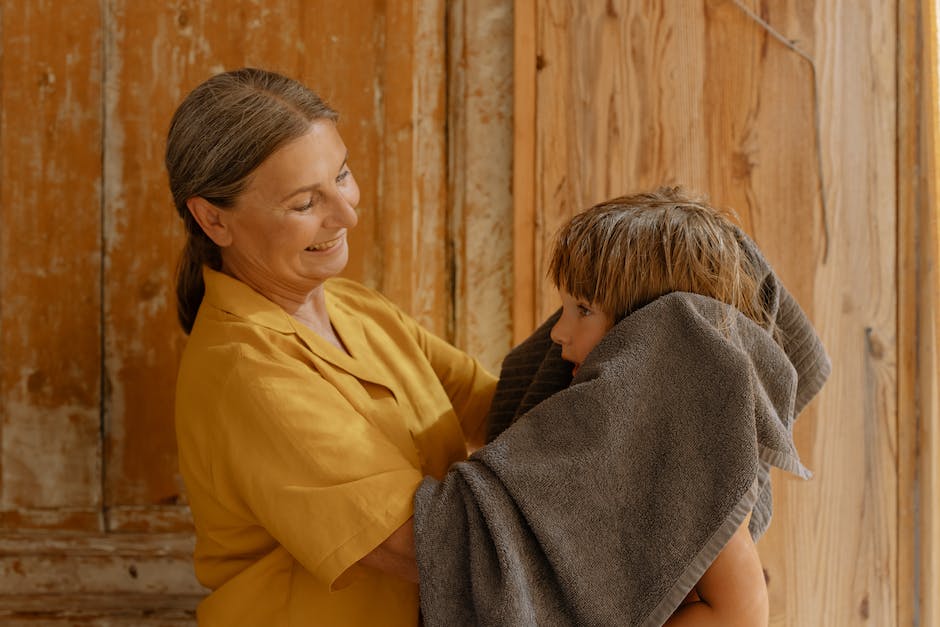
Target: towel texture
(608,498)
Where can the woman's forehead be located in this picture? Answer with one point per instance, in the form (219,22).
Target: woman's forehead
(311,160)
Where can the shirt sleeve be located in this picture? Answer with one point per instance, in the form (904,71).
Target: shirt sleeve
(321,478)
(467,383)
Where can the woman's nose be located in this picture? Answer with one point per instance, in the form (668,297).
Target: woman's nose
(342,212)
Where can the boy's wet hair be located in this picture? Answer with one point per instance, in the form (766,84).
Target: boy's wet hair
(624,253)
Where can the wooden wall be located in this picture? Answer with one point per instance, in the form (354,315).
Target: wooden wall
(802,135)
(93,519)
(609,96)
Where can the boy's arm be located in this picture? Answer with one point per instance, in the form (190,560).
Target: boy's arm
(732,592)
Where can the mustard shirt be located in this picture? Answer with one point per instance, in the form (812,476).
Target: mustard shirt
(300,459)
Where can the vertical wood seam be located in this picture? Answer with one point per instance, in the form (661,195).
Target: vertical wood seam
(524,124)
(450,196)
(3,398)
(102,251)
(918,316)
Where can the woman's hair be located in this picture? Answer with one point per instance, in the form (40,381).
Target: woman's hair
(624,253)
(224,129)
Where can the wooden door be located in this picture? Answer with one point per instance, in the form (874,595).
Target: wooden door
(93,519)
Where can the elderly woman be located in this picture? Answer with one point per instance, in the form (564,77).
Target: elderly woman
(308,408)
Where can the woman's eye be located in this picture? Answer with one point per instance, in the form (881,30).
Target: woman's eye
(343,176)
(305,207)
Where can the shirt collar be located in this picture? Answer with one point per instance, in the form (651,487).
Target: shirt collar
(234,297)
(237,298)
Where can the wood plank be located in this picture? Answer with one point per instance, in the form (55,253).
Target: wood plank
(929,367)
(525,227)
(43,565)
(929,372)
(25,575)
(480,75)
(52,518)
(66,543)
(141,618)
(919,316)
(413,207)
(150,518)
(850,441)
(106,610)
(909,191)
(50,263)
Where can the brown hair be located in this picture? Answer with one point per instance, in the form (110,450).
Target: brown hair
(224,129)
(625,252)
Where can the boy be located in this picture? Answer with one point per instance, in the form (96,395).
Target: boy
(631,435)
(617,257)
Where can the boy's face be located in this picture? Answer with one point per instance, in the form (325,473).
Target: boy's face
(580,328)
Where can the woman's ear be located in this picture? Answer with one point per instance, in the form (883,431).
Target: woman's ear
(211,219)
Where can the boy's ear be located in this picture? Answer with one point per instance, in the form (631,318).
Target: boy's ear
(211,219)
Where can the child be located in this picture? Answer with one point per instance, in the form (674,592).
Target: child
(628,489)
(619,256)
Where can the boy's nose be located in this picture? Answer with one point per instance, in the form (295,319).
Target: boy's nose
(557,334)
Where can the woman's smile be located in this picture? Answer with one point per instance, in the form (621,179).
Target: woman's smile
(327,245)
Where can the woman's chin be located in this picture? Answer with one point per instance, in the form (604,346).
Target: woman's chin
(326,266)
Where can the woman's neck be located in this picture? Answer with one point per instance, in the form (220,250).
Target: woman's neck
(307,307)
(314,315)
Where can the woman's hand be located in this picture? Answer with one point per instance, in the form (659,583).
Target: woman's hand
(396,556)
(731,593)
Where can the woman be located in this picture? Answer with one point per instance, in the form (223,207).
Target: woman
(308,408)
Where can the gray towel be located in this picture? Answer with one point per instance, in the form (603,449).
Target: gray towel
(607,500)
(534,370)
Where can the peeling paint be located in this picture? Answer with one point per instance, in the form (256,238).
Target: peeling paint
(481,171)
(40,467)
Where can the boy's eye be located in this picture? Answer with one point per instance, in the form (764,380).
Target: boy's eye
(584,311)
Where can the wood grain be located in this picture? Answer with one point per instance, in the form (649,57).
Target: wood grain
(850,440)
(480,223)
(50,264)
(97,579)
(919,316)
(631,95)
(412,255)
(89,339)
(525,225)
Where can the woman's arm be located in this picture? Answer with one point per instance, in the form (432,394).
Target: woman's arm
(396,555)
(732,592)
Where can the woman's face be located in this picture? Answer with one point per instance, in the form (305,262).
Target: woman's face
(288,228)
(581,327)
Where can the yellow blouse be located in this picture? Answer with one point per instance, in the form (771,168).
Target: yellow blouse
(300,459)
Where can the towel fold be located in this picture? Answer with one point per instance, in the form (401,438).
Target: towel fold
(608,498)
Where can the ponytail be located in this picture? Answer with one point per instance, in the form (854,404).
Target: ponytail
(198,251)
